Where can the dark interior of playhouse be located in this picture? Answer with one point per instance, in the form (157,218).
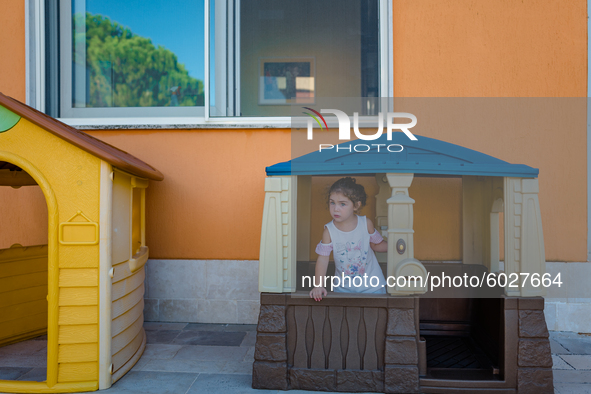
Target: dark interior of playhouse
(464,335)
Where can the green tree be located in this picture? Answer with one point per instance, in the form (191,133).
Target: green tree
(127,70)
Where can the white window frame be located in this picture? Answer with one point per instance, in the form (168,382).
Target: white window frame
(36,91)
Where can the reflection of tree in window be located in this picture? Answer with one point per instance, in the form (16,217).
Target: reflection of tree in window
(127,70)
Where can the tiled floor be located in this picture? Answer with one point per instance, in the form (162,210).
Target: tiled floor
(571,356)
(24,360)
(183,358)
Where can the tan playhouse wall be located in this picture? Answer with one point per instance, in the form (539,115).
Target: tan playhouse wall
(212,195)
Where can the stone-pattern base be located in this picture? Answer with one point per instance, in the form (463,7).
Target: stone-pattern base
(534,374)
(371,345)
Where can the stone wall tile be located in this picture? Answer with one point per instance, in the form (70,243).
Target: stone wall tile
(178,310)
(217,311)
(269,375)
(534,381)
(270,347)
(398,379)
(401,322)
(247,312)
(534,353)
(272,319)
(177,279)
(151,310)
(532,324)
(356,381)
(312,379)
(401,351)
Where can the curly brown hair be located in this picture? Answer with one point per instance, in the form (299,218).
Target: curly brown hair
(350,189)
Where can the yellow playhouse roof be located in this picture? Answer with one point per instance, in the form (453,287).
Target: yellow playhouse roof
(100,149)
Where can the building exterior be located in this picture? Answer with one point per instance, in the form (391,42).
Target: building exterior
(203,222)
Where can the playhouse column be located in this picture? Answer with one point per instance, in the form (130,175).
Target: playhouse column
(278,233)
(400,222)
(524,240)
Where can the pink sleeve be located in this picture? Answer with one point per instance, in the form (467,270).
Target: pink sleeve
(376,237)
(324,249)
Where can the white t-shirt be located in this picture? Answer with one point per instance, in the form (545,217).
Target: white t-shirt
(354,257)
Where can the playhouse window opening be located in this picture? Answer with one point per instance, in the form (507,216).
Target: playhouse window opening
(313,213)
(23,273)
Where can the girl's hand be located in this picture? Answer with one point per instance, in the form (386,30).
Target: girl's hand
(317,293)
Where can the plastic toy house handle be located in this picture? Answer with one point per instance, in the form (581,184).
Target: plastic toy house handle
(139,259)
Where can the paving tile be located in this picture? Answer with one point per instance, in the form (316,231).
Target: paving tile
(164,326)
(209,338)
(12,373)
(565,334)
(579,362)
(240,327)
(22,348)
(572,376)
(559,363)
(250,339)
(161,336)
(557,348)
(212,353)
(308,392)
(154,382)
(142,362)
(184,365)
(223,383)
(205,327)
(35,375)
(243,367)
(160,350)
(575,345)
(249,355)
(570,388)
(31,361)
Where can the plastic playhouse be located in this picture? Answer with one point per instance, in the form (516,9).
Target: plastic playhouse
(407,341)
(85,287)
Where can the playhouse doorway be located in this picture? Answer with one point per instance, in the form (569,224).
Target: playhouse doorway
(23,276)
(464,338)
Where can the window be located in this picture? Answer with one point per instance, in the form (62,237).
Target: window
(200,61)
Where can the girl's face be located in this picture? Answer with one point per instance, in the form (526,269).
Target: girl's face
(341,207)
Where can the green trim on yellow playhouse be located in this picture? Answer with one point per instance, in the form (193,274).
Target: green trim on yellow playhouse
(7,119)
(423,156)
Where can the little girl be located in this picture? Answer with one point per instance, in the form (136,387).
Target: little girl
(353,240)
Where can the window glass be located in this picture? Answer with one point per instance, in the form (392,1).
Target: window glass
(292,52)
(137,53)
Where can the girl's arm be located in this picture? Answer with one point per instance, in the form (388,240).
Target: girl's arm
(320,271)
(381,246)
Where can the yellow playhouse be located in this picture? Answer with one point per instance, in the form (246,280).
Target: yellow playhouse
(85,287)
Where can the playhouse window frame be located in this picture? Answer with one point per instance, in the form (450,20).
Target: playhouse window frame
(41,85)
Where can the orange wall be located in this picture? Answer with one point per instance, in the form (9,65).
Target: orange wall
(12,48)
(210,204)
(483,48)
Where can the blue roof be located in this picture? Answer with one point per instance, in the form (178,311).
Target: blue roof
(424,156)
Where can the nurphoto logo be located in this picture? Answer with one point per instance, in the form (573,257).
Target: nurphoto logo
(345,130)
